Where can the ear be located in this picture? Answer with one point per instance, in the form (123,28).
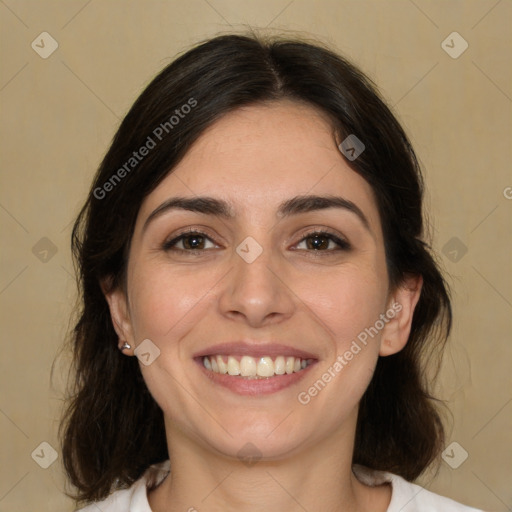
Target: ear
(400,311)
(120,314)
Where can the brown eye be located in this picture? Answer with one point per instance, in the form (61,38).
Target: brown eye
(323,242)
(190,241)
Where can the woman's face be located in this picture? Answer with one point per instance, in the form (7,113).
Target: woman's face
(255,278)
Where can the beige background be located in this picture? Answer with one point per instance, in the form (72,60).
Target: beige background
(58,117)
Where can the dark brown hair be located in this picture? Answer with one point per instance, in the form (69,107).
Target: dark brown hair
(112,429)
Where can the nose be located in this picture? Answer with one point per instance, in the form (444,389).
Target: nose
(256,292)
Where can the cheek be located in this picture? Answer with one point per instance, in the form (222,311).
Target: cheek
(349,304)
(163,302)
(347,301)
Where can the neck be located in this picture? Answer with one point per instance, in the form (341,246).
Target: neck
(317,478)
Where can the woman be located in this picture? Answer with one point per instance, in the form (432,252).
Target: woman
(258,303)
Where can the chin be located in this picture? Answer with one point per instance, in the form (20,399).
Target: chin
(256,440)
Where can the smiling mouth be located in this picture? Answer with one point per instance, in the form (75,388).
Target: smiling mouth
(248,367)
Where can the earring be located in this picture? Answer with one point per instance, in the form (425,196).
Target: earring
(124,346)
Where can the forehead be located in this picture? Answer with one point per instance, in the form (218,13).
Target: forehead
(258,156)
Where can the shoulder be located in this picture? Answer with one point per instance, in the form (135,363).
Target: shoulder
(409,497)
(135,498)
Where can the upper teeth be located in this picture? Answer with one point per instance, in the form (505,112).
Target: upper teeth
(254,367)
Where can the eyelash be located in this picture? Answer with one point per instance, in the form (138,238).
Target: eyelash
(343,245)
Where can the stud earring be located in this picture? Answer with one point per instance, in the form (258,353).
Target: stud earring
(125,346)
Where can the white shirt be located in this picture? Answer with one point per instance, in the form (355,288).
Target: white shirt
(405,496)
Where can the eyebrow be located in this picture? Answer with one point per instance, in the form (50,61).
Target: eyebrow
(219,208)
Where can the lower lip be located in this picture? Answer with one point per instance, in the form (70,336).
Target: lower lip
(255,387)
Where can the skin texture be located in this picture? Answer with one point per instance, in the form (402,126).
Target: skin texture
(316,300)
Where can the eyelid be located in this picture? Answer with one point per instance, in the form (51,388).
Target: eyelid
(169,242)
(338,238)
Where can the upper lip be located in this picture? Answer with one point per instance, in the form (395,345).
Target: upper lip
(259,349)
